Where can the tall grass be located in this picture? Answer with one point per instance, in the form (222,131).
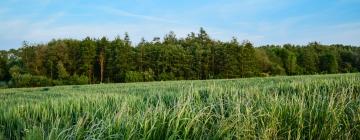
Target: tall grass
(301,107)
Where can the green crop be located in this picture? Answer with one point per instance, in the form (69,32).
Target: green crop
(299,107)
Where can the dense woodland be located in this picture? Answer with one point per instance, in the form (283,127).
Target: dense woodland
(90,61)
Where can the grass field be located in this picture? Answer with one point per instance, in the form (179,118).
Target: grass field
(300,107)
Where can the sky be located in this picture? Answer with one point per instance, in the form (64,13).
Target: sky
(259,21)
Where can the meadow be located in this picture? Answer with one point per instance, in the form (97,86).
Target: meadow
(297,107)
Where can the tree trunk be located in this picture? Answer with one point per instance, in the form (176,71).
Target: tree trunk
(101,61)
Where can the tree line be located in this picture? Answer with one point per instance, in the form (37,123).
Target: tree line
(197,56)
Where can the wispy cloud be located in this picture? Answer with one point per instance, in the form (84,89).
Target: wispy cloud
(43,31)
(260,21)
(50,20)
(119,12)
(346,33)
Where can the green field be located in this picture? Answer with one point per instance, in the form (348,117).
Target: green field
(299,107)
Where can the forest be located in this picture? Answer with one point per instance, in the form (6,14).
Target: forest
(195,57)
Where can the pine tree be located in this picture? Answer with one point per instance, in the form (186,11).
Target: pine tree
(328,63)
(248,65)
(308,60)
(87,58)
(3,65)
(61,71)
(289,61)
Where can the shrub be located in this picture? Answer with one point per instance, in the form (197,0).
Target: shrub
(78,80)
(21,80)
(166,76)
(134,76)
(3,84)
(28,80)
(39,81)
(148,75)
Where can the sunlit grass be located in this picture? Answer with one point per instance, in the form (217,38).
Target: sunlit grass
(300,107)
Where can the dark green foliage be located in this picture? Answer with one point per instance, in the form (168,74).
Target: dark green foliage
(289,61)
(122,60)
(328,63)
(166,76)
(62,73)
(134,76)
(27,80)
(248,64)
(3,66)
(195,57)
(308,60)
(78,80)
(148,75)
(87,58)
(348,61)
(15,71)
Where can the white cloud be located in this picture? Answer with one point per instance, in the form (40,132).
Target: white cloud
(119,12)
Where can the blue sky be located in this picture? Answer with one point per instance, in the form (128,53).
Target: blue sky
(260,21)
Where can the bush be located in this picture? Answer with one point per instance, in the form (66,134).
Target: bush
(277,70)
(28,80)
(78,80)
(3,84)
(166,76)
(134,76)
(148,75)
(21,80)
(59,82)
(39,81)
(263,74)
